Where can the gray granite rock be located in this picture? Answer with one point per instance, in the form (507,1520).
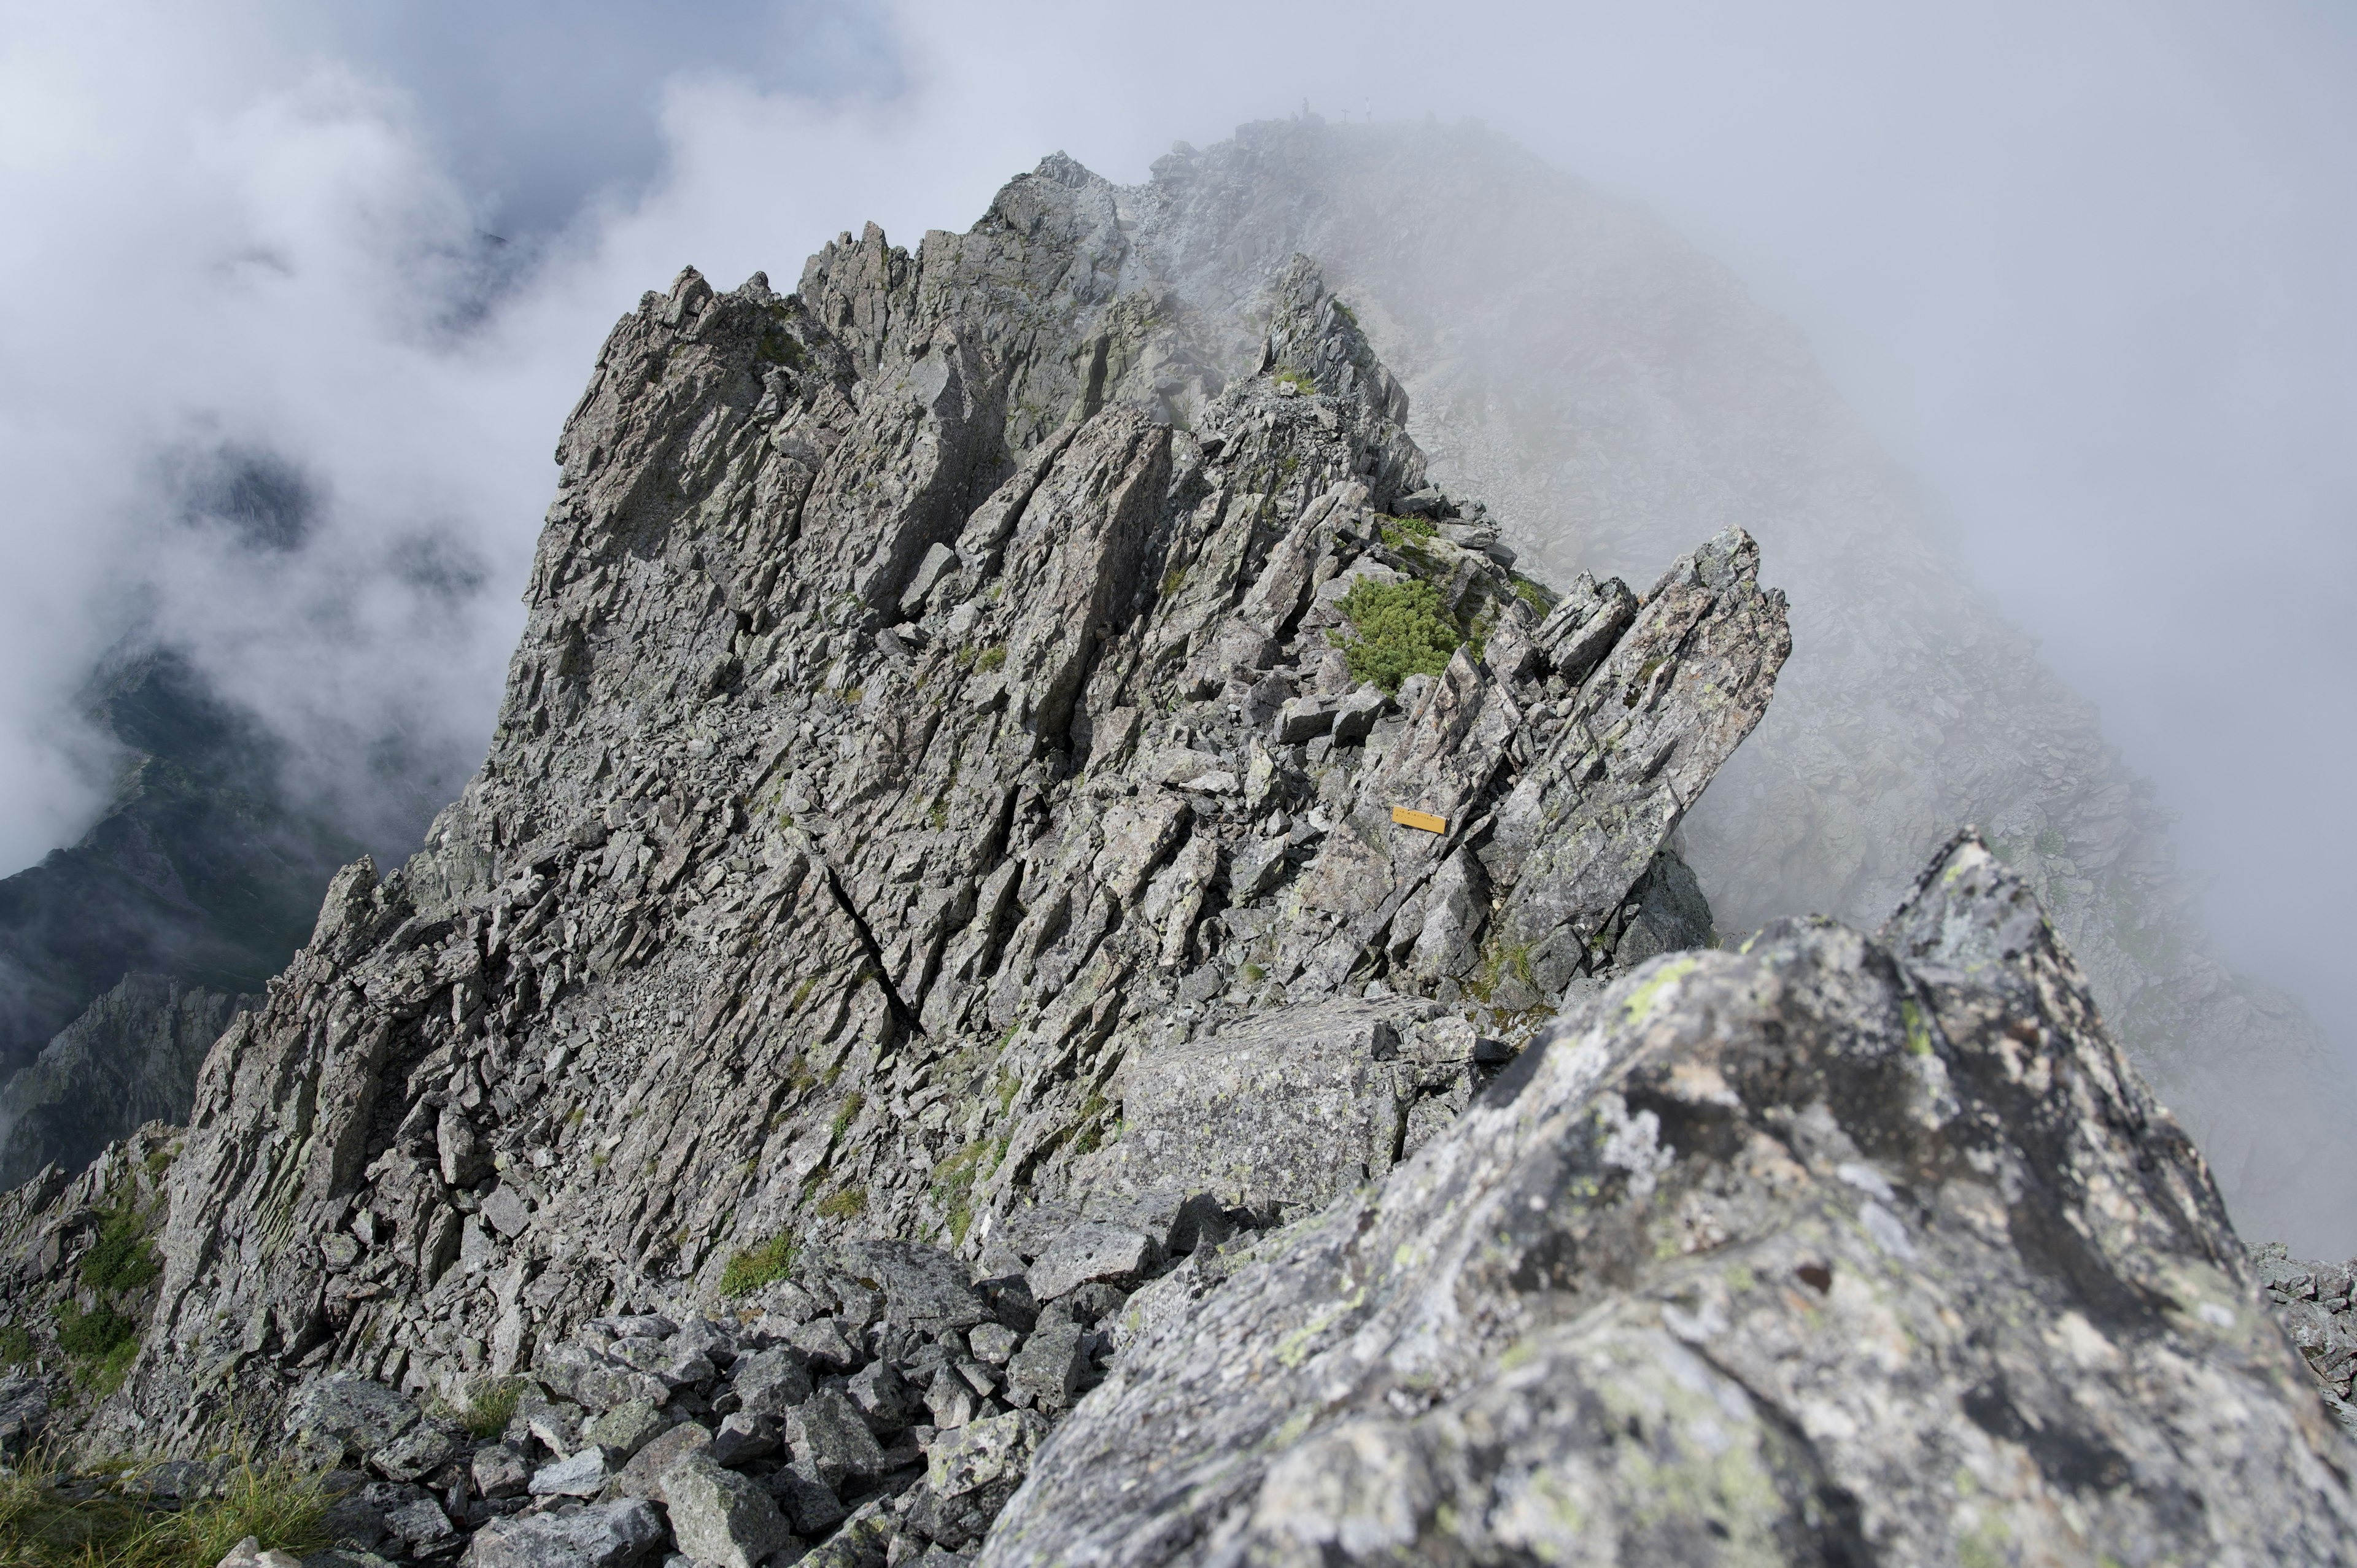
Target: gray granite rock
(597,1535)
(719,1517)
(1088,1253)
(1838,1248)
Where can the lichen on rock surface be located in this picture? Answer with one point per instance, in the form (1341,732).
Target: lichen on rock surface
(1735,1270)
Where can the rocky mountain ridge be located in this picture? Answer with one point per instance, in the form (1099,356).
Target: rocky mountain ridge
(1615,393)
(1009,853)
(912,740)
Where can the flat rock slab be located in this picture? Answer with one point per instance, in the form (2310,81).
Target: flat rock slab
(600,1535)
(925,1289)
(1290,1108)
(1088,1254)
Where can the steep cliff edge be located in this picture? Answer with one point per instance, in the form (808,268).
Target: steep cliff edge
(942,702)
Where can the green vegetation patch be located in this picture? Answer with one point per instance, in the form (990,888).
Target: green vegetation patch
(1297,380)
(847,1113)
(15,1345)
(282,1507)
(1402,628)
(492,1407)
(121,1260)
(763,1265)
(844,1205)
(95,1334)
(953,1185)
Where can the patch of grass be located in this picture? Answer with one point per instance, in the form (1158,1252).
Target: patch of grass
(847,1113)
(281,1506)
(1173,580)
(1499,959)
(159,1161)
(1253,973)
(844,1205)
(121,1260)
(15,1345)
(1535,594)
(92,1336)
(1297,380)
(489,1408)
(763,1265)
(991,659)
(1092,1133)
(1403,631)
(1405,532)
(952,1184)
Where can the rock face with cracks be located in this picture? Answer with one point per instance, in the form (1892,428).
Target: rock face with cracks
(1836,1250)
(941,700)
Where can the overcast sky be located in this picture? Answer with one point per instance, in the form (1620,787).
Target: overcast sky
(2085,268)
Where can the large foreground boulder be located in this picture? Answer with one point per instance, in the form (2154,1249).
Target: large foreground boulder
(1836,1250)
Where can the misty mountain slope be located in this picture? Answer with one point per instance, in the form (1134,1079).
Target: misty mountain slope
(130,1059)
(1611,390)
(1013,864)
(950,787)
(199,868)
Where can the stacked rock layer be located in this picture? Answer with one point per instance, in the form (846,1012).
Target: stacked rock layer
(937,707)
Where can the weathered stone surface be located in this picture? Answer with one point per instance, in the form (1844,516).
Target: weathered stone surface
(24,1411)
(1048,1370)
(1838,1248)
(340,1416)
(598,1535)
(809,1504)
(1088,1252)
(826,1433)
(626,1428)
(643,1475)
(719,1517)
(498,1471)
(1289,1108)
(580,1474)
(970,1474)
(925,1289)
(772,1381)
(1680,689)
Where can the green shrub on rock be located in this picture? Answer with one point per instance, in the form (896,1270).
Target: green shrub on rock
(1402,629)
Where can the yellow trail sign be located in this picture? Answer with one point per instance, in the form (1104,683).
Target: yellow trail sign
(1422,820)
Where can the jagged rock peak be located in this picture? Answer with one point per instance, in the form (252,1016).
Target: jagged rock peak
(946,708)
